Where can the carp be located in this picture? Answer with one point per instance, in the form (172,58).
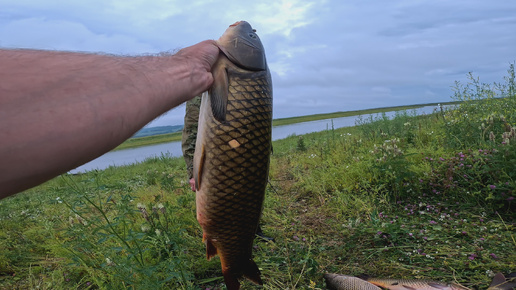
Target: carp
(408,284)
(345,282)
(232,152)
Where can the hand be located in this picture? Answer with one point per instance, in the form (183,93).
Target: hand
(200,57)
(192,184)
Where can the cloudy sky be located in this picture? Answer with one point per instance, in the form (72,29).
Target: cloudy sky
(325,56)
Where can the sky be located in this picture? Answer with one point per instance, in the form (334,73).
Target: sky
(325,56)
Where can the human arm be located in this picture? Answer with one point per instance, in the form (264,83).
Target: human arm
(59,110)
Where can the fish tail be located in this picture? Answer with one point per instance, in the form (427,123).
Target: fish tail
(249,270)
(252,272)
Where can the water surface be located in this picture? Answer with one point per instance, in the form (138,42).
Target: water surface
(135,155)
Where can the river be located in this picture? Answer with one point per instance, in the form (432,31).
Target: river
(135,155)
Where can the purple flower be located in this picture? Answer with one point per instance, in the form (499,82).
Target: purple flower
(492,186)
(425,238)
(493,256)
(510,198)
(296,238)
(433,222)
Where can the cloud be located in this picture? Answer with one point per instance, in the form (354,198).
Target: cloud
(65,35)
(324,55)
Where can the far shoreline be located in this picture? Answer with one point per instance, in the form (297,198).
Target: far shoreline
(176,136)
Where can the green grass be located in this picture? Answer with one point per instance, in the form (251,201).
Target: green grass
(149,140)
(293,120)
(420,197)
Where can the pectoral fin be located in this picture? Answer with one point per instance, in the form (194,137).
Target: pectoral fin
(220,89)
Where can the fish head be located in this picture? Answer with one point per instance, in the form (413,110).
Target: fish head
(243,47)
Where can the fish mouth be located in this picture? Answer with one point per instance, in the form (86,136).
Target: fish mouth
(243,47)
(236,23)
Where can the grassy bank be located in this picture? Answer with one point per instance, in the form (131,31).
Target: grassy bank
(414,197)
(293,120)
(171,137)
(149,140)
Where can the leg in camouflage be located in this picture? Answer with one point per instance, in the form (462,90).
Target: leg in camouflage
(189,135)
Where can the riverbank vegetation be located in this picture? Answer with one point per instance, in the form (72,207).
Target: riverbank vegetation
(176,136)
(410,197)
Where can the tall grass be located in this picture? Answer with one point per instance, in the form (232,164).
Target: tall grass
(410,196)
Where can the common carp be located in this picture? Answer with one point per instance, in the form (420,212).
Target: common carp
(232,152)
(501,283)
(344,282)
(407,284)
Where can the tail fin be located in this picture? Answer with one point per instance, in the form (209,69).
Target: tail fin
(250,271)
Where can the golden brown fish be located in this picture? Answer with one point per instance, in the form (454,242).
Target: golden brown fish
(344,282)
(405,284)
(501,283)
(231,160)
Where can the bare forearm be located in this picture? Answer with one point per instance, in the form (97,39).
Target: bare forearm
(59,110)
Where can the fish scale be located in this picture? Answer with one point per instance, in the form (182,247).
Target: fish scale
(231,165)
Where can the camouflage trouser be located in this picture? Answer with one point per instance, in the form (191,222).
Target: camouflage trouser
(189,136)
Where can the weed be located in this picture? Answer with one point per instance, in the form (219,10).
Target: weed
(401,196)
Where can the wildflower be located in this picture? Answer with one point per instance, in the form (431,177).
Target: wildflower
(510,198)
(493,256)
(492,186)
(296,238)
(158,232)
(433,222)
